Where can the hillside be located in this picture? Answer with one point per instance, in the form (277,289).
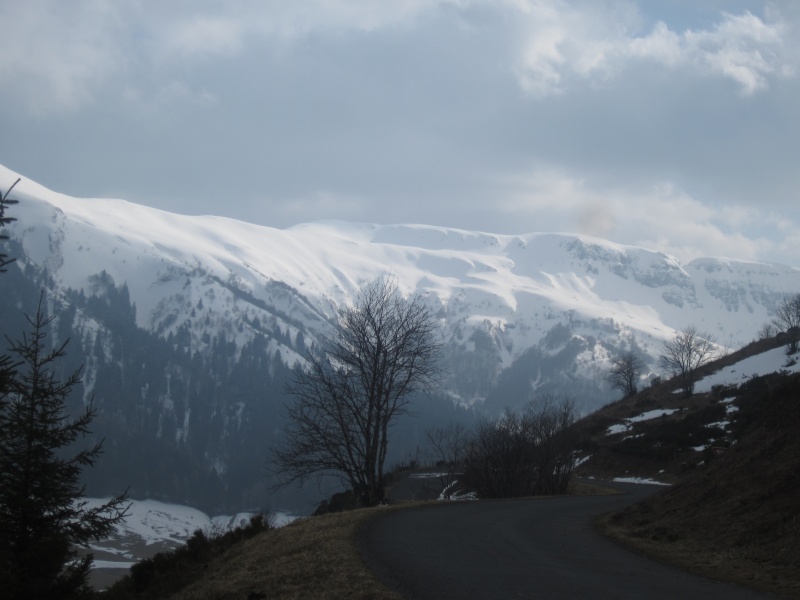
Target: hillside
(660,435)
(732,454)
(738,517)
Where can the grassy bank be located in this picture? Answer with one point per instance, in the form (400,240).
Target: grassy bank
(729,564)
(313,558)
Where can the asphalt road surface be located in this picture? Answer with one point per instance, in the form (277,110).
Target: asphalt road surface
(543,548)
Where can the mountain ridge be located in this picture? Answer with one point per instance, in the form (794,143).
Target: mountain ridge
(476,280)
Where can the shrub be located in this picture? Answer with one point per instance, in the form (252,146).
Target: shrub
(525,453)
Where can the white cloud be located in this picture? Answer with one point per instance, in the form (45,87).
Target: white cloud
(58,55)
(225,24)
(560,42)
(206,36)
(53,54)
(179,92)
(171,94)
(741,47)
(662,45)
(567,43)
(661,217)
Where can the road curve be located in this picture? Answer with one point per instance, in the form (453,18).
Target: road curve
(541,548)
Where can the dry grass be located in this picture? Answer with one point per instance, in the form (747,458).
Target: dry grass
(731,564)
(585,488)
(314,558)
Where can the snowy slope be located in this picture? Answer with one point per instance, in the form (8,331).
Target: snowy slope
(512,290)
(152,526)
(773,361)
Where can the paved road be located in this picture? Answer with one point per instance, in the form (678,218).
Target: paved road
(542,548)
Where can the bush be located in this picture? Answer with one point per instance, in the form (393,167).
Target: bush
(523,454)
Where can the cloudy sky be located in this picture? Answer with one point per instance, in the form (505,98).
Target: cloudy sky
(673,124)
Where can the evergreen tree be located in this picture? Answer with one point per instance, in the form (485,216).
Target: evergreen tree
(42,515)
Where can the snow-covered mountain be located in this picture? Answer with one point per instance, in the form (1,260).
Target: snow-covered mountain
(519,313)
(497,295)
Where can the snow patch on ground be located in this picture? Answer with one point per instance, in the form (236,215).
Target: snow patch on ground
(639,480)
(760,364)
(111,564)
(618,428)
(646,416)
(450,493)
(581,460)
(652,414)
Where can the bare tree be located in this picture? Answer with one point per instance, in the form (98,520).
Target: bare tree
(448,444)
(625,372)
(767,330)
(550,421)
(384,349)
(787,318)
(685,353)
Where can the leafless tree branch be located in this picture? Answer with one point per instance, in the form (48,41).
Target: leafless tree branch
(384,349)
(685,353)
